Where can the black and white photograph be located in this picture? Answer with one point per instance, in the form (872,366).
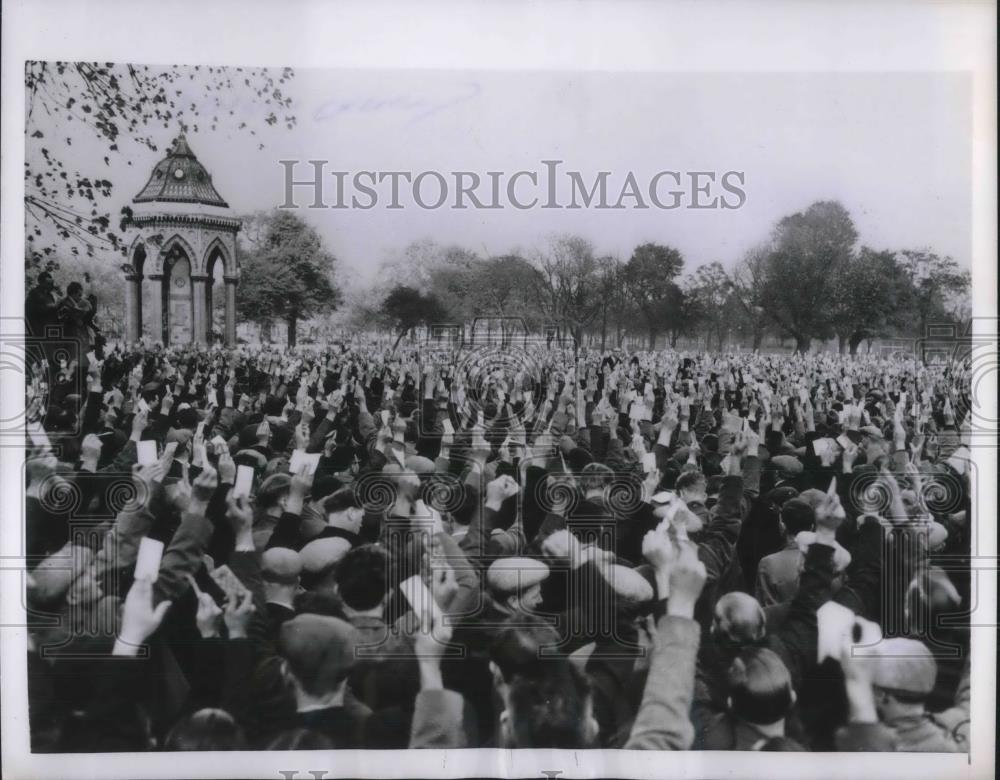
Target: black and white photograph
(574,413)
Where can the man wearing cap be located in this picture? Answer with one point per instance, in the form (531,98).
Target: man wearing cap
(788,471)
(902,680)
(319,652)
(279,569)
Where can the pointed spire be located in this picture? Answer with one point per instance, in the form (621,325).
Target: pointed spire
(181,148)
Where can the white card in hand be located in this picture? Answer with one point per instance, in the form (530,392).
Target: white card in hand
(834,624)
(147,562)
(146,450)
(302,458)
(244,482)
(649,462)
(419,597)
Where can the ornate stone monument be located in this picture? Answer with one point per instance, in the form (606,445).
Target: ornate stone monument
(182,228)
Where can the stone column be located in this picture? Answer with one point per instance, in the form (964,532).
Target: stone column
(157,332)
(199,332)
(230,310)
(133,292)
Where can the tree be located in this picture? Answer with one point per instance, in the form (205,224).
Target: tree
(66,195)
(748,288)
(651,272)
(809,250)
(711,289)
(940,288)
(569,283)
(871,296)
(407,308)
(287,275)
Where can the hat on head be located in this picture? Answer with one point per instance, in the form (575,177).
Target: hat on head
(510,575)
(813,496)
(566,444)
(319,651)
(629,584)
(905,665)
(277,465)
(321,554)
(419,464)
(281,565)
(271,489)
(789,464)
(780,495)
(871,430)
(182,436)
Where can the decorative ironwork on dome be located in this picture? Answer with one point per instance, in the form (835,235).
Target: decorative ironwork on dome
(180,178)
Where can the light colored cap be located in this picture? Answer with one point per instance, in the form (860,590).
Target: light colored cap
(510,575)
(321,553)
(905,665)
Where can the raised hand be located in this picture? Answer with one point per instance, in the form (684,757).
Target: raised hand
(208,613)
(687,579)
(499,490)
(139,618)
(237,614)
(227,468)
(90,452)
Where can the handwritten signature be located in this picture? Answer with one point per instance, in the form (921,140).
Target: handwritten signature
(419,108)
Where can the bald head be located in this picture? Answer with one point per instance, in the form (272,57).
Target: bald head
(739,618)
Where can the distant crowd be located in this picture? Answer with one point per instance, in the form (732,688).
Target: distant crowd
(350,546)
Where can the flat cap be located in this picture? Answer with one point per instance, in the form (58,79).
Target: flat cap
(787,463)
(280,564)
(319,650)
(905,665)
(510,575)
(321,554)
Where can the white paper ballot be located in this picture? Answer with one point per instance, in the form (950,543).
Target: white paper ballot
(649,462)
(146,452)
(244,481)
(302,458)
(420,598)
(834,623)
(147,562)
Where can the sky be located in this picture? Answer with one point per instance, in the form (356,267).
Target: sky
(894,148)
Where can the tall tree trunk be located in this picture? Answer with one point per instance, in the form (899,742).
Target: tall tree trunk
(293,322)
(652,339)
(802,344)
(758,337)
(855,342)
(399,338)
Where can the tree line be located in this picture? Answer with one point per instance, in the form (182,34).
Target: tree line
(810,280)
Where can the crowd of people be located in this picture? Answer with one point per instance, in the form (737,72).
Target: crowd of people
(347,546)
